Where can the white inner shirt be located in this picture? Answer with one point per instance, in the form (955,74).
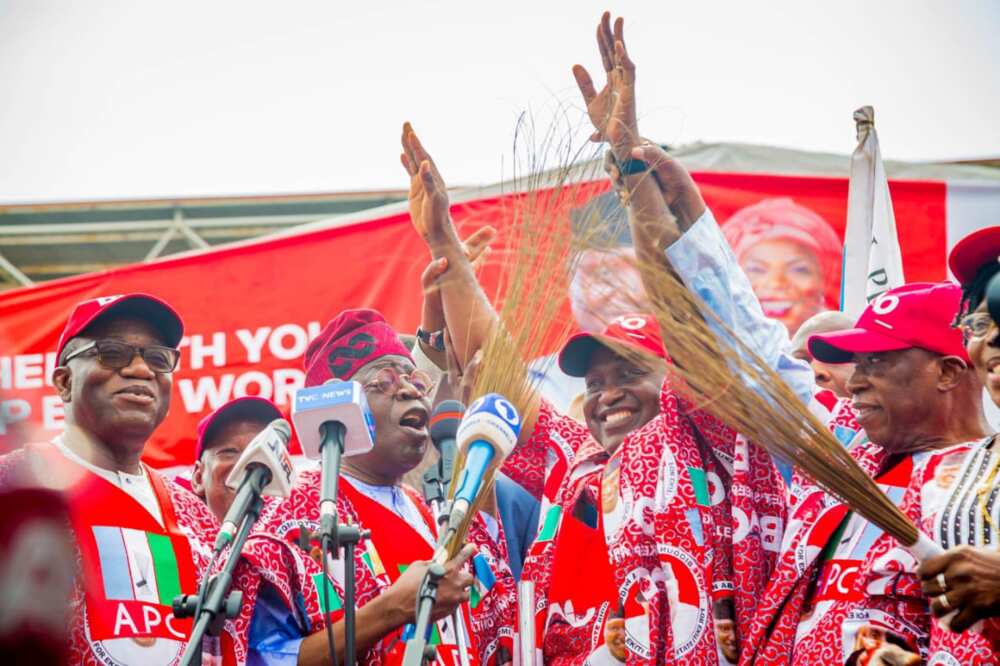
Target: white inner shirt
(138,486)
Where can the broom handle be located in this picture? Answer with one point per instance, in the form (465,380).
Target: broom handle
(923,549)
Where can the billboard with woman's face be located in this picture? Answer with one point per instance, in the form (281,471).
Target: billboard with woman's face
(791,255)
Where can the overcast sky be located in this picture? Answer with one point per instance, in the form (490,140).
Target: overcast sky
(122,99)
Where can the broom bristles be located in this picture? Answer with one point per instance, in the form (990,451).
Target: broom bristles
(535,271)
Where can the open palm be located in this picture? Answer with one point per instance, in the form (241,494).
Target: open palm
(428,198)
(612,110)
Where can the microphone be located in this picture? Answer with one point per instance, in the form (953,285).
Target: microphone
(331,421)
(264,468)
(445,420)
(488,433)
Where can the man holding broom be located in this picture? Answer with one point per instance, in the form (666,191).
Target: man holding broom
(843,591)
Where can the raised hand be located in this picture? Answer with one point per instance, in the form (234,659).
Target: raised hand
(612,110)
(428,196)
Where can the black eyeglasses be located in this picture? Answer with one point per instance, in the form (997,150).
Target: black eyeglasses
(115,355)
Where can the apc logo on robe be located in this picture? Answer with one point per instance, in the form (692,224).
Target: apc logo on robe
(686,595)
(826,524)
(358,346)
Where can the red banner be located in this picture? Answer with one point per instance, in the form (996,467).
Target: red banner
(250,310)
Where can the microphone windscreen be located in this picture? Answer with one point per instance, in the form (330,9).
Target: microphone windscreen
(445,419)
(334,401)
(492,419)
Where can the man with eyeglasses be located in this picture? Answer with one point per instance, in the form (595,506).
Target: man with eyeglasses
(359,345)
(140,539)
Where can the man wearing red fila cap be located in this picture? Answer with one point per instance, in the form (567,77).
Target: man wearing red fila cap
(141,539)
(359,345)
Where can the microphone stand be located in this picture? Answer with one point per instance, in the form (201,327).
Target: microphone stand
(215,603)
(334,536)
(434,495)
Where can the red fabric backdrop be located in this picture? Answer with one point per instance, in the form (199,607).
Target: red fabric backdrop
(250,310)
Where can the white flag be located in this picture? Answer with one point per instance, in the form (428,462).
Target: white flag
(873,263)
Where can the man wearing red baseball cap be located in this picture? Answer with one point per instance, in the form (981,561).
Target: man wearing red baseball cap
(359,345)
(912,392)
(639,489)
(222,437)
(140,538)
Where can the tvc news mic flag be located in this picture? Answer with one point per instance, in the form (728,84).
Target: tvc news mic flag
(873,263)
(344,402)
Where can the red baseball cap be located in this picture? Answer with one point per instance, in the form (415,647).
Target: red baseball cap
(640,331)
(149,308)
(972,252)
(914,315)
(248,407)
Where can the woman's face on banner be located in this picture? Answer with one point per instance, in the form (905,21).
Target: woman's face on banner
(787,280)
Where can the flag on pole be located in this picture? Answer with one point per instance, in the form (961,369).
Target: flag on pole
(873,263)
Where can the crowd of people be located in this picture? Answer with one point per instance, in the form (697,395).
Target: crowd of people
(652,532)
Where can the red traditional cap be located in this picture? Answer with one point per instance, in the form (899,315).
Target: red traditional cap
(972,252)
(248,407)
(349,341)
(149,308)
(914,315)
(635,330)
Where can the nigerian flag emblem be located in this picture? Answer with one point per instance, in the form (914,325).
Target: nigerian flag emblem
(550,524)
(137,565)
(329,594)
(371,559)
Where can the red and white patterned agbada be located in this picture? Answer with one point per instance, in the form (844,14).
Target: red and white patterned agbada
(676,541)
(823,606)
(287,519)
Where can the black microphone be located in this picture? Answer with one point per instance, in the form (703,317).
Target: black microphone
(445,419)
(264,468)
(993,298)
